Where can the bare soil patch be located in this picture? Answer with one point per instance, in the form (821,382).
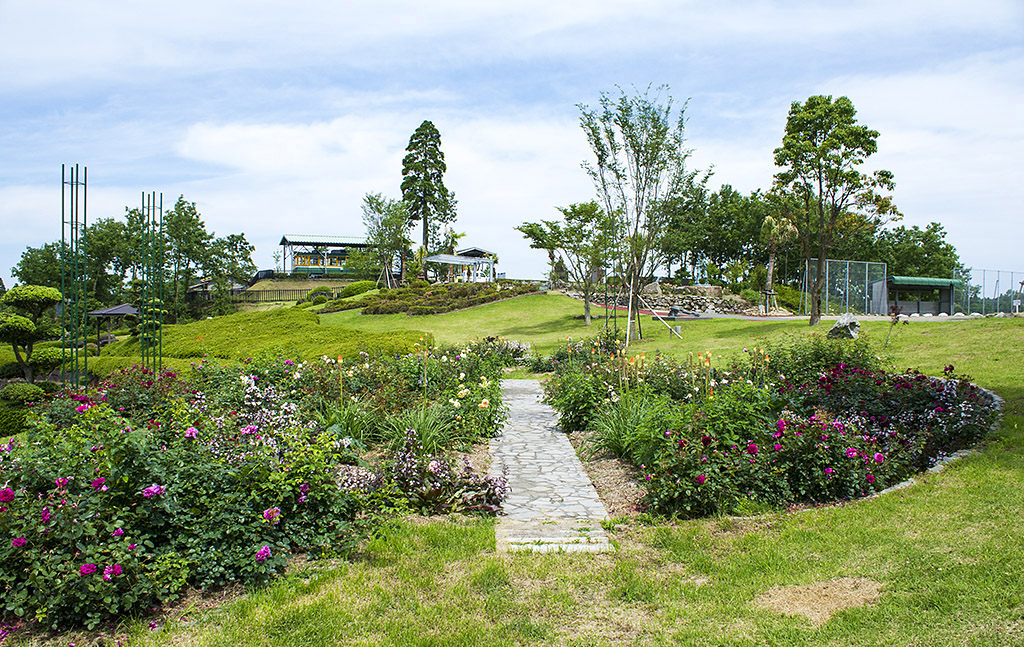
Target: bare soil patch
(820,600)
(617,482)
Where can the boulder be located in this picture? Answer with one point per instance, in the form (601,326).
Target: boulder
(846,327)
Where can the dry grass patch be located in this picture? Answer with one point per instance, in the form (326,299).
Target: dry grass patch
(821,600)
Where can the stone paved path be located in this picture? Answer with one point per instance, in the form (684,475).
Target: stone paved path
(552,505)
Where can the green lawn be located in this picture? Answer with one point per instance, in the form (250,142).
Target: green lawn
(948,552)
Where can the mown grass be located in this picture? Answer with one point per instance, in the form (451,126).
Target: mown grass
(288,332)
(948,552)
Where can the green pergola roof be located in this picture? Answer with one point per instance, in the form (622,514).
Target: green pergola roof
(924,282)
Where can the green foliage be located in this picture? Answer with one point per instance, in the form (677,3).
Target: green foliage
(750,295)
(356,288)
(801,360)
(319,299)
(578,397)
(12,419)
(322,290)
(423,191)
(20,393)
(286,331)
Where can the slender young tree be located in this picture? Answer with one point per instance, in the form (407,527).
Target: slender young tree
(583,243)
(820,156)
(639,162)
(387,226)
(423,189)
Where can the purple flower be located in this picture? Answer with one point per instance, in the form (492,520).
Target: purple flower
(781,425)
(871,478)
(118,532)
(6,495)
(752,449)
(111,571)
(289,362)
(777,447)
(272,515)
(131,546)
(18,542)
(191,432)
(153,490)
(61,482)
(879,457)
(829,471)
(97,483)
(263,554)
(851,452)
(87,569)
(700,479)
(45,516)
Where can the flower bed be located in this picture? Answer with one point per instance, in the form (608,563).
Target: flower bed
(711,440)
(116,500)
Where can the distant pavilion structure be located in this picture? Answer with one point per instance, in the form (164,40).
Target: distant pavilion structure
(315,254)
(475,265)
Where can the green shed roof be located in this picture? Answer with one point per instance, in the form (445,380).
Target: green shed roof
(924,282)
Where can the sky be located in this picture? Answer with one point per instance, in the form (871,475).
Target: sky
(277,118)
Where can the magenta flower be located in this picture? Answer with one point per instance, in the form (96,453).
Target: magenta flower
(752,449)
(851,452)
(87,569)
(45,516)
(6,495)
(777,447)
(871,478)
(701,479)
(61,482)
(829,471)
(118,532)
(272,515)
(153,490)
(97,483)
(263,554)
(191,432)
(781,425)
(131,546)
(111,571)
(18,542)
(879,457)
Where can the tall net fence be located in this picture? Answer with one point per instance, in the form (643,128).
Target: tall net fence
(989,291)
(850,286)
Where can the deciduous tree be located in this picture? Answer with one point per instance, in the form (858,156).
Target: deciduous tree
(821,154)
(639,161)
(387,227)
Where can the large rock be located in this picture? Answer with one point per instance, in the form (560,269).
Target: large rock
(846,327)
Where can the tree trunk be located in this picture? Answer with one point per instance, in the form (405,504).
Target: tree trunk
(819,283)
(771,270)
(586,307)
(426,251)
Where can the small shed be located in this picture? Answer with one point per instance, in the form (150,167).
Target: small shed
(939,294)
(111,313)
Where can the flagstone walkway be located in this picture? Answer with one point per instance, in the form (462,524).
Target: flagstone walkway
(553,505)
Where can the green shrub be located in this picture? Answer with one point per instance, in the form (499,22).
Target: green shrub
(11,369)
(577,396)
(320,299)
(322,290)
(801,360)
(20,393)
(632,427)
(12,419)
(750,295)
(358,287)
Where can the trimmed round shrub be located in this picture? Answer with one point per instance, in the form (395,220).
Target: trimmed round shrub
(320,299)
(322,290)
(20,392)
(359,287)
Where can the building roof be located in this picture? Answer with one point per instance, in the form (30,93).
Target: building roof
(339,241)
(115,311)
(451,259)
(474,251)
(924,282)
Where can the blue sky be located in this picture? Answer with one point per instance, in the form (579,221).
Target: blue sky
(278,117)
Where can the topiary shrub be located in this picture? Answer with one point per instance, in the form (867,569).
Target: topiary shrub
(352,289)
(322,290)
(20,393)
(320,299)
(12,420)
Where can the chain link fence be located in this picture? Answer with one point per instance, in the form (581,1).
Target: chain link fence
(989,291)
(850,286)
